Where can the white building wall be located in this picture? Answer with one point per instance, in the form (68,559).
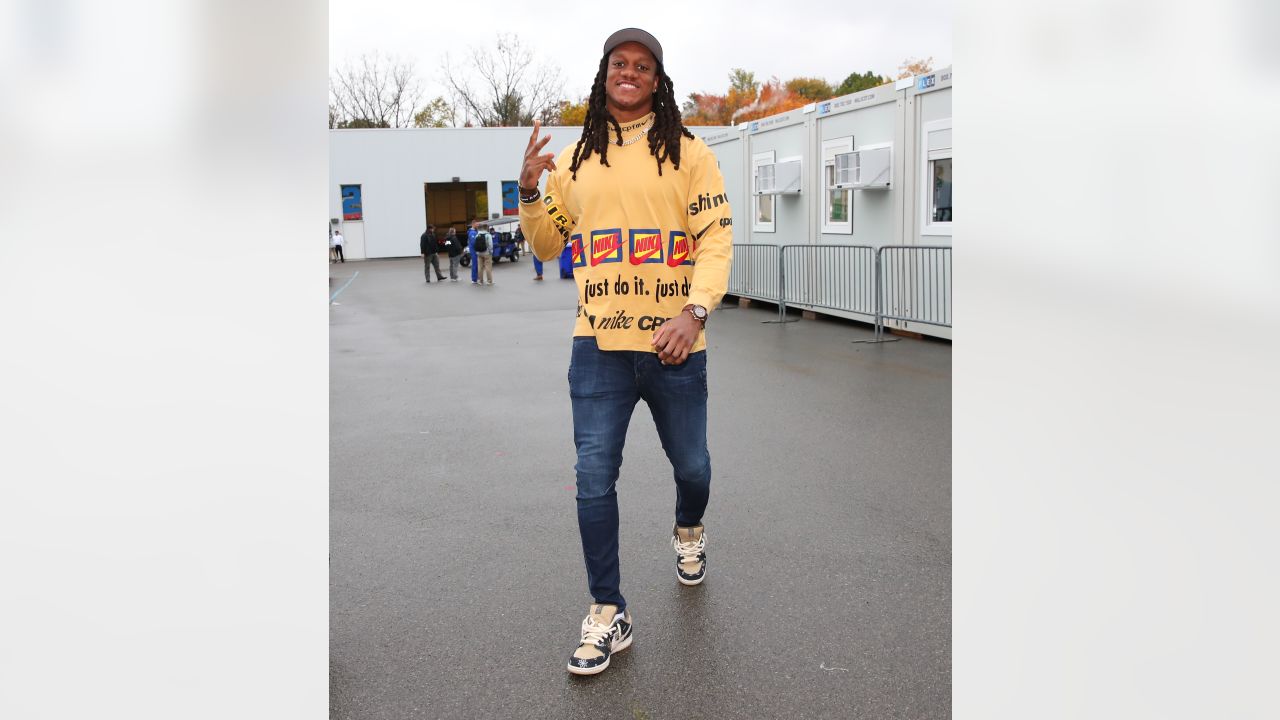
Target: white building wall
(927,110)
(932,110)
(869,124)
(392,165)
(728,148)
(785,136)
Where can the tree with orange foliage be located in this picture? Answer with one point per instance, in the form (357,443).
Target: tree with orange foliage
(574,114)
(774,98)
(911,68)
(705,109)
(711,109)
(748,99)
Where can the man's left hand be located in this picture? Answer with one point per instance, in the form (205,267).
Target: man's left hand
(675,338)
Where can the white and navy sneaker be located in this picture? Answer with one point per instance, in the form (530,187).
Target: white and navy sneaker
(690,544)
(604,633)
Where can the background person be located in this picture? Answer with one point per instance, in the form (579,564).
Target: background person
(430,248)
(483,246)
(471,247)
(338,242)
(453,246)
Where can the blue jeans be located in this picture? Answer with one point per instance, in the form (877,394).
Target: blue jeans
(604,387)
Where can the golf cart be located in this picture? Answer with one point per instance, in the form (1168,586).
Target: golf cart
(503,243)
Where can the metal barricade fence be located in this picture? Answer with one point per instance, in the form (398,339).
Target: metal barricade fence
(915,284)
(754,272)
(894,282)
(834,277)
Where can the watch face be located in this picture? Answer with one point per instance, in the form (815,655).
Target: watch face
(699,312)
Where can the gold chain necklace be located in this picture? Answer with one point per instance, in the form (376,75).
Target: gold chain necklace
(644,131)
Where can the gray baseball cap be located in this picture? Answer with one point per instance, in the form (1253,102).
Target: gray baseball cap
(634,35)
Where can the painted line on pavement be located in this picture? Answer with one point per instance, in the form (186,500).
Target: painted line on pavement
(338,292)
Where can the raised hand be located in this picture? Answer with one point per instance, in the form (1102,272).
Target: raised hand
(534,164)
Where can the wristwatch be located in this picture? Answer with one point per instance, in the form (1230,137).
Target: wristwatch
(698,312)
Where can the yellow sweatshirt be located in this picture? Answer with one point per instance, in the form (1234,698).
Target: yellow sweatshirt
(644,245)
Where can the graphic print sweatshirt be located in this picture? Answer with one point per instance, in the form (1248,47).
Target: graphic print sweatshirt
(643,245)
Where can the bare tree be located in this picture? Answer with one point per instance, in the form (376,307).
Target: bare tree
(374,91)
(510,89)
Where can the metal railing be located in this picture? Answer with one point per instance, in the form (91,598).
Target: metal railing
(915,284)
(894,282)
(754,273)
(836,277)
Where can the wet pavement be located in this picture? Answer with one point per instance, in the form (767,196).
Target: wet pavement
(457,583)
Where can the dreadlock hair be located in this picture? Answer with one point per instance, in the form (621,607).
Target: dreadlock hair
(664,136)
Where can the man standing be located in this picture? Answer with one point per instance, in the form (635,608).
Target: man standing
(642,203)
(482,245)
(430,248)
(337,245)
(453,247)
(471,247)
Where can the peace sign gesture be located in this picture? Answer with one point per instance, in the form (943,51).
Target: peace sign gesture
(534,163)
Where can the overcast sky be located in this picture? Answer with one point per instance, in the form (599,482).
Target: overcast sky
(701,41)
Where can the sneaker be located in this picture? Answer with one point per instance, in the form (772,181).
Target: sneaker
(604,632)
(690,544)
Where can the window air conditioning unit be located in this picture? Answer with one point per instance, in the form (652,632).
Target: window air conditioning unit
(778,178)
(869,169)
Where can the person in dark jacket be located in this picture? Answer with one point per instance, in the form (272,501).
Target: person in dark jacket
(430,248)
(452,246)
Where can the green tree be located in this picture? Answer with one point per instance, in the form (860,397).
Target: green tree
(859,82)
(811,89)
(362,123)
(743,82)
(436,114)
(509,111)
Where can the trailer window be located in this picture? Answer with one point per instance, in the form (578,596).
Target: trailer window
(940,197)
(762,169)
(837,204)
(937,187)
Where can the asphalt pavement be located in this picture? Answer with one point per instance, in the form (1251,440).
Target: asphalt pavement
(456,575)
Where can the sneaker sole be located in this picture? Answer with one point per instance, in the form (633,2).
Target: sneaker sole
(691,582)
(597,670)
(590,671)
